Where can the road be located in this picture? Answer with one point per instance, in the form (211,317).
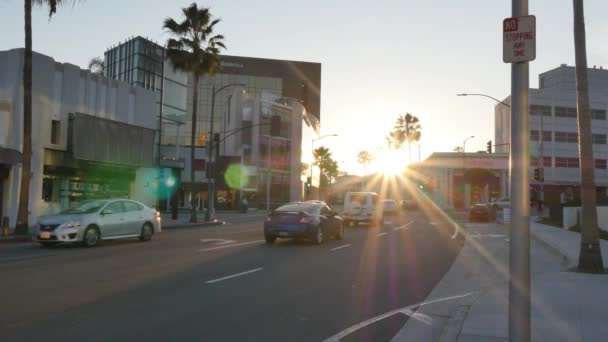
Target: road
(225,284)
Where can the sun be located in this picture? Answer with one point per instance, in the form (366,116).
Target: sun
(391,162)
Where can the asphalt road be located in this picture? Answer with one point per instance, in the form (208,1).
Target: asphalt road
(224,284)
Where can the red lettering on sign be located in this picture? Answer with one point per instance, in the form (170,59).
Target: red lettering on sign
(520,53)
(510,24)
(518,45)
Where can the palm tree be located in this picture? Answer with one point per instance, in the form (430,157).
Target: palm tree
(96,65)
(364,157)
(194,49)
(458,149)
(322,157)
(26,165)
(406,130)
(590,255)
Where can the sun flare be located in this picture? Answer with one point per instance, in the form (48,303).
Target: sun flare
(391,162)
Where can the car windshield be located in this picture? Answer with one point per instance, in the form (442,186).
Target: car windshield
(87,207)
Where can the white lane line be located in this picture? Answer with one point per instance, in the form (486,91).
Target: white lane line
(456,231)
(405,310)
(388,222)
(233,275)
(381,234)
(340,247)
(404,226)
(228,246)
(218,241)
(433,223)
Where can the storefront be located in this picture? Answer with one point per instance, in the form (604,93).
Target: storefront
(8,158)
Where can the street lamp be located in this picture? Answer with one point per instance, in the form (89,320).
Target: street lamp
(211,168)
(484,95)
(312,148)
(464,143)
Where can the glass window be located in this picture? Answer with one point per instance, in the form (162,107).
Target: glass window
(115,207)
(132,206)
(599,139)
(598,114)
(547,162)
(307,208)
(600,164)
(567,137)
(565,112)
(55,131)
(561,162)
(86,207)
(540,110)
(325,211)
(534,135)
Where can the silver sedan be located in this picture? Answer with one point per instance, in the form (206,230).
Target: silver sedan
(96,220)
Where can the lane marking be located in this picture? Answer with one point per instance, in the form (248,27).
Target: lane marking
(405,310)
(233,275)
(218,241)
(388,222)
(433,223)
(228,246)
(340,247)
(405,226)
(381,234)
(456,231)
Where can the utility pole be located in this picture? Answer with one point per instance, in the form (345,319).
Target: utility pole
(519,246)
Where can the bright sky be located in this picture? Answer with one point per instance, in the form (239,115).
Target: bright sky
(379,58)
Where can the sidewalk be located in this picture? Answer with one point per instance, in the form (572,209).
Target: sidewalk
(221,217)
(566,306)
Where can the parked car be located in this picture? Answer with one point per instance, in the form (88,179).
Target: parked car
(502,203)
(312,220)
(408,204)
(95,220)
(482,212)
(389,207)
(362,207)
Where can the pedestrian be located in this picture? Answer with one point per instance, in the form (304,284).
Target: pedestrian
(244,205)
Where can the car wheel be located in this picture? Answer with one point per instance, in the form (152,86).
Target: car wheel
(319,236)
(340,232)
(48,244)
(91,237)
(269,238)
(146,232)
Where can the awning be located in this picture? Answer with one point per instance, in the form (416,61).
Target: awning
(9,156)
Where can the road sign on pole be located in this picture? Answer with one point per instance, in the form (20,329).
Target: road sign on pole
(519,39)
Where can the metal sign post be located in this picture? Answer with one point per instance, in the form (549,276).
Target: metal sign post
(519,47)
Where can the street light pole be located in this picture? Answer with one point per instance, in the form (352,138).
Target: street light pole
(312,147)
(464,149)
(519,246)
(211,167)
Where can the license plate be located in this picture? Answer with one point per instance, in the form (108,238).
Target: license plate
(283,234)
(45,235)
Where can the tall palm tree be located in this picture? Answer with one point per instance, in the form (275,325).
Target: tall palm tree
(407,130)
(364,158)
(590,255)
(322,157)
(26,164)
(96,65)
(194,49)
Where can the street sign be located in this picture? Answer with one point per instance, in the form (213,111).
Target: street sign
(519,39)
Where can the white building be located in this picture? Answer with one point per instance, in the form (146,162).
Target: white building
(553,112)
(91,137)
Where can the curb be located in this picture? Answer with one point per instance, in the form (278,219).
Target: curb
(193,225)
(565,260)
(15,239)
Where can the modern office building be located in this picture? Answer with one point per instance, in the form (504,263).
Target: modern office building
(554,132)
(92,137)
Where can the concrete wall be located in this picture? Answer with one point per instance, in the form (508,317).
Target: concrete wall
(59,89)
(572,214)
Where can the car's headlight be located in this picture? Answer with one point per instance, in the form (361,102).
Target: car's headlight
(71,225)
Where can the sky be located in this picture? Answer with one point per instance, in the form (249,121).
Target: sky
(379,58)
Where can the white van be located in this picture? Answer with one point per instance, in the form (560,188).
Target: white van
(362,207)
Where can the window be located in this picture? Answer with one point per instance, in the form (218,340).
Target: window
(598,114)
(131,206)
(599,139)
(547,136)
(534,135)
(540,110)
(600,164)
(324,211)
(565,112)
(115,207)
(567,137)
(566,162)
(55,130)
(547,162)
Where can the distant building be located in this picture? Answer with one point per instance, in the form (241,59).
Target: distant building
(553,122)
(92,137)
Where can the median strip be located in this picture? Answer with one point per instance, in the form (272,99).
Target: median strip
(233,276)
(228,246)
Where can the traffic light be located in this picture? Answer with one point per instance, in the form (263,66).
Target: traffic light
(309,182)
(539,174)
(489,146)
(216,138)
(275,126)
(202,139)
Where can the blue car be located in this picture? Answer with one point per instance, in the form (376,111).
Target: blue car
(312,220)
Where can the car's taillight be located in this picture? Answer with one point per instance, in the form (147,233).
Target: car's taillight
(306,219)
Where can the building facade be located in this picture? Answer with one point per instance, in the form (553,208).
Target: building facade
(554,132)
(92,137)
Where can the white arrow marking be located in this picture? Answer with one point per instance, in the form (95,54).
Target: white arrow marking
(218,241)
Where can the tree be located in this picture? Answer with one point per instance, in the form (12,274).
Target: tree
(364,158)
(322,157)
(304,168)
(458,149)
(407,130)
(97,66)
(194,49)
(26,164)
(590,255)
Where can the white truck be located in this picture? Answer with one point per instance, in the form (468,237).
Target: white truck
(362,207)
